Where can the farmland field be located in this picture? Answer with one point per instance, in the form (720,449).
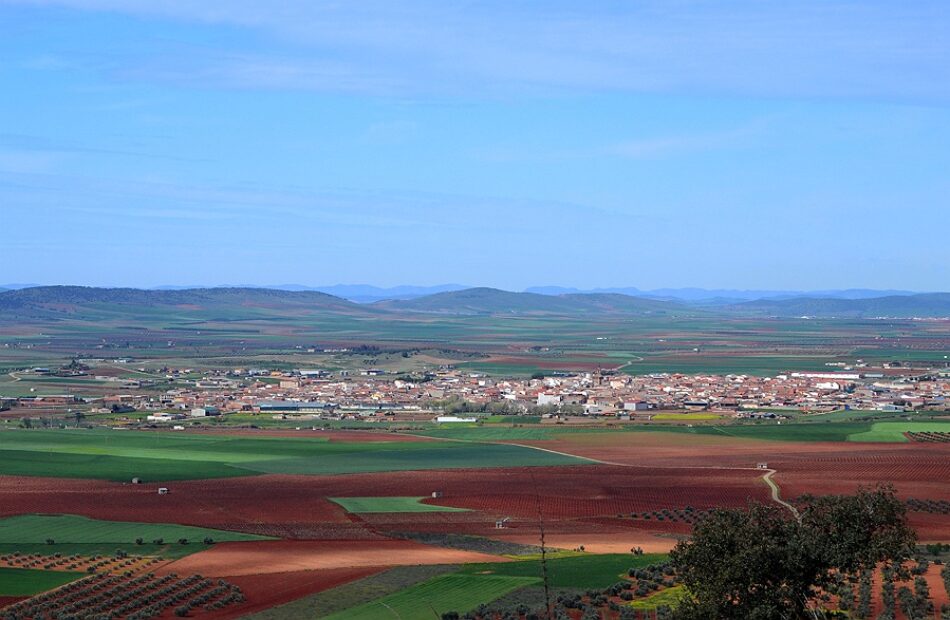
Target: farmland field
(667,597)
(894,431)
(389,504)
(26,582)
(658,470)
(688,417)
(436,596)
(72,529)
(586,571)
(802,431)
(118,456)
(354,593)
(694,342)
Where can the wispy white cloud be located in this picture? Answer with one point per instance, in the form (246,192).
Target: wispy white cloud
(257,207)
(653,146)
(808,48)
(27,161)
(700,141)
(44,152)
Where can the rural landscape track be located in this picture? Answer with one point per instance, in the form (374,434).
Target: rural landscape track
(636,358)
(776,492)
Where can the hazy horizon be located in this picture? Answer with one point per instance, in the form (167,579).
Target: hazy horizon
(446,286)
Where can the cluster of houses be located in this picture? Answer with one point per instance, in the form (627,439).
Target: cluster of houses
(458,394)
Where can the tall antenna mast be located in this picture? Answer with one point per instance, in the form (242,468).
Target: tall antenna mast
(544,558)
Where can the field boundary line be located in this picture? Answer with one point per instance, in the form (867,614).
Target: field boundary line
(776,493)
(508,443)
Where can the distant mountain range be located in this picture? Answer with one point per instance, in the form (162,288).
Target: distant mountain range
(923,305)
(237,303)
(723,296)
(81,301)
(360,293)
(494,301)
(367,293)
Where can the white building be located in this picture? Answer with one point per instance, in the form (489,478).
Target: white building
(453,419)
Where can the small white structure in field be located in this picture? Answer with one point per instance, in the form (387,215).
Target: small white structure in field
(436,494)
(501,524)
(451,419)
(163,490)
(761,465)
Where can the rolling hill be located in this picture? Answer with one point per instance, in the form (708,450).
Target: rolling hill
(924,305)
(50,302)
(490,301)
(238,304)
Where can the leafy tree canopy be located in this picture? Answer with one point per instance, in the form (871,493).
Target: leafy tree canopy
(762,564)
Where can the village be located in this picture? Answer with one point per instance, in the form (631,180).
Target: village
(450,395)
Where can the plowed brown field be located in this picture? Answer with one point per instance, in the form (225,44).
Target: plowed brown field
(268,590)
(282,556)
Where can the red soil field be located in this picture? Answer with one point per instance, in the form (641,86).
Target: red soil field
(573,492)
(295,506)
(930,527)
(9,600)
(918,470)
(272,589)
(281,556)
(938,592)
(592,541)
(677,449)
(273,505)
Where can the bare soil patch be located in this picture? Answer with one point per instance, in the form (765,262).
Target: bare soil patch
(282,556)
(267,590)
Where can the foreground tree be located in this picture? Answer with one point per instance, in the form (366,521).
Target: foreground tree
(762,564)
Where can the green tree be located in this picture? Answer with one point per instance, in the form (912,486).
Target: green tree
(762,564)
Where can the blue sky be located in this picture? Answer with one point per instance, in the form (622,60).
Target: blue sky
(749,144)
